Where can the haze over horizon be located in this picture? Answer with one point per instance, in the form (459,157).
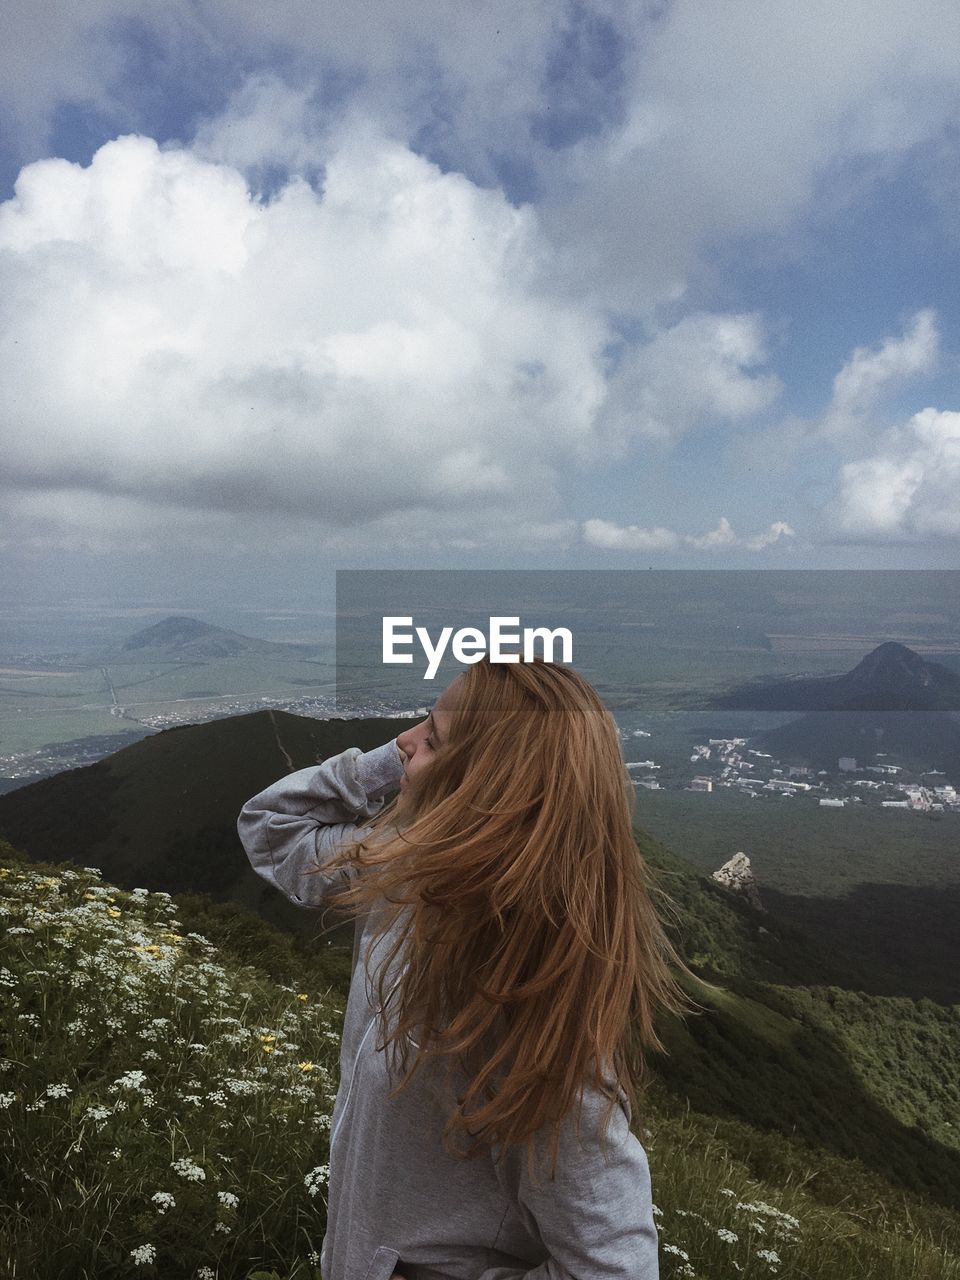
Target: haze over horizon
(577,285)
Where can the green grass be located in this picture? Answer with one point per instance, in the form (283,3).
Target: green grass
(131,1046)
(107,1111)
(715,1179)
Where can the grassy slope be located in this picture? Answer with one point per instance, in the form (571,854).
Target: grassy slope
(768,1051)
(776,1050)
(827,1218)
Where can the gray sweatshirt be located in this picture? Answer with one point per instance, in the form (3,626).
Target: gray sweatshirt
(398,1201)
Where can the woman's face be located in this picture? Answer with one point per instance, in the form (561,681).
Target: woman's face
(419,744)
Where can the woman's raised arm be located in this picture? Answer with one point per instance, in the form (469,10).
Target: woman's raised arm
(302,820)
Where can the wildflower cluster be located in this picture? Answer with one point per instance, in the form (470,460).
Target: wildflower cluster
(161,1074)
(783,1226)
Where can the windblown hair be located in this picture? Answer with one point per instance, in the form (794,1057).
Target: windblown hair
(535,959)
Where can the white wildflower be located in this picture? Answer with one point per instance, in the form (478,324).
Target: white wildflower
(316,1178)
(761,1206)
(228,1198)
(187,1169)
(143,1254)
(129,1080)
(163,1200)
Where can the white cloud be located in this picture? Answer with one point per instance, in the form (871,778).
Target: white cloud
(908,490)
(613,537)
(868,374)
(714,122)
(631,537)
(267,124)
(702,369)
(777,530)
(752,117)
(387,346)
(421,61)
(721,536)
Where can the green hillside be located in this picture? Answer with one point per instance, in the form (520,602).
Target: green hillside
(796,1057)
(162,812)
(880,889)
(173,1120)
(790,1043)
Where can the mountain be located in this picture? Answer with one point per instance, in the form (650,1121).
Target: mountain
(162,812)
(181,637)
(890,678)
(791,1057)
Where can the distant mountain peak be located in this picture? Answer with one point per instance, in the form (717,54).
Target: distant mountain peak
(890,677)
(891,661)
(182,637)
(173,632)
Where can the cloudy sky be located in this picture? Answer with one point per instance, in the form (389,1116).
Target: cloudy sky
(536,284)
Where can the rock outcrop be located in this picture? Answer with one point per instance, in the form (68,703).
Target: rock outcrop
(737,875)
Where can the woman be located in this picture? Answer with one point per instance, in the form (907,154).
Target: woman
(509,939)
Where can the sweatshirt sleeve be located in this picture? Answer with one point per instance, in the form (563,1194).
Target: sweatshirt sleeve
(302,820)
(596,1217)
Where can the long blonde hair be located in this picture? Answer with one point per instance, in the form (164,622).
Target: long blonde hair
(509,868)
